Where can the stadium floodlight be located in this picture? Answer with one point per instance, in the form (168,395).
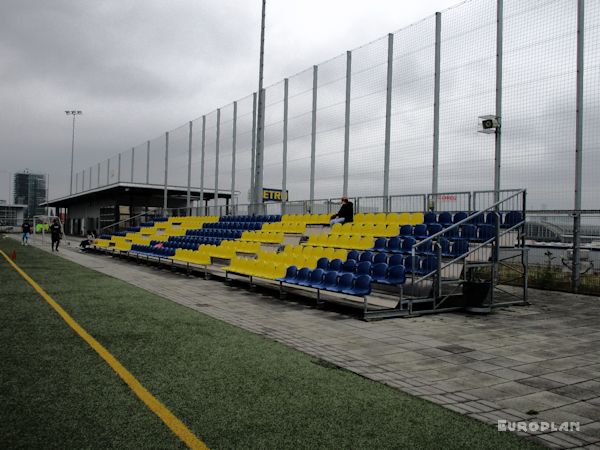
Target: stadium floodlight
(73,113)
(489,124)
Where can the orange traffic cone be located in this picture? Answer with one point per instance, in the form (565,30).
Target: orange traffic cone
(13,255)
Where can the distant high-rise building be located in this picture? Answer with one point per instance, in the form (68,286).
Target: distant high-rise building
(30,189)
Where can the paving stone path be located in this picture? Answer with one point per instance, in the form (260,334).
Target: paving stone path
(533,363)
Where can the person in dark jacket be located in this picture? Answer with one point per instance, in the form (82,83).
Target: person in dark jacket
(26,232)
(345,214)
(56,234)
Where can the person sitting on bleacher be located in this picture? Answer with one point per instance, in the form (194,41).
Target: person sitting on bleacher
(345,214)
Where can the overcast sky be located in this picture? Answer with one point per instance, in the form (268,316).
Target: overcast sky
(139,68)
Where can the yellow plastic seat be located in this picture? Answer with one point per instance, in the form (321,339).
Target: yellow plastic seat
(359,218)
(416,218)
(346,228)
(392,218)
(380,217)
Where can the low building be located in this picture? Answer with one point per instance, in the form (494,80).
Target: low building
(12,215)
(120,204)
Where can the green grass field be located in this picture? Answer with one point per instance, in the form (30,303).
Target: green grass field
(233,389)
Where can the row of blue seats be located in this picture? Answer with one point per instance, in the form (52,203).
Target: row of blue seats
(150,250)
(420,265)
(232,226)
(482,232)
(405,245)
(380,273)
(507,219)
(224,234)
(345,283)
(134,229)
(251,218)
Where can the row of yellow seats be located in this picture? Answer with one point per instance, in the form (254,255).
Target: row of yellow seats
(102,243)
(191,256)
(350,241)
(270,237)
(228,249)
(390,218)
(285,227)
(313,219)
(307,250)
(119,243)
(257,268)
(366,229)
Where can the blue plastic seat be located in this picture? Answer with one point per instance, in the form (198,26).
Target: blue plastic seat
(348,266)
(459,248)
(335,264)
(459,216)
(315,278)
(328,281)
(407,245)
(512,218)
(434,228)
(420,231)
(485,232)
(353,254)
(393,244)
(379,271)
(445,219)
(426,248)
(323,263)
(396,275)
(445,245)
(363,268)
(412,265)
(301,276)
(396,260)
(379,258)
(429,217)
(468,231)
(452,233)
(366,256)
(380,244)
(491,218)
(361,286)
(429,264)
(344,282)
(406,230)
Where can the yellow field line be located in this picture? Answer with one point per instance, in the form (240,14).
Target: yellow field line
(151,402)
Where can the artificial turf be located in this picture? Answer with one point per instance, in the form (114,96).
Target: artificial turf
(232,388)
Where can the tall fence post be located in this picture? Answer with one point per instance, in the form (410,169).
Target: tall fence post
(436,105)
(286,83)
(202,149)
(148,162)
(108,172)
(498,134)
(166,192)
(132,162)
(347,121)
(83,180)
(388,122)
(76,182)
(233,150)
(253,151)
(98,175)
(119,168)
(313,135)
(575,276)
(216,197)
(90,182)
(188,202)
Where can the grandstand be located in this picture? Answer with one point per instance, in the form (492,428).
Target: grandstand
(392,264)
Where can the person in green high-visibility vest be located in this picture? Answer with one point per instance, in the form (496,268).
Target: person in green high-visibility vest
(39,227)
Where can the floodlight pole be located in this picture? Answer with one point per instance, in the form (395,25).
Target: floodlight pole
(73,113)
(258,176)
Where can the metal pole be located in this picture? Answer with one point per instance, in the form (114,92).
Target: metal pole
(261,113)
(83,180)
(98,175)
(76,182)
(388,122)
(119,169)
(72,154)
(216,196)
(202,148)
(497,152)
(108,172)
(286,83)
(90,182)
(253,152)
(233,150)
(148,162)
(436,105)
(347,121)
(165,195)
(189,174)
(575,276)
(132,162)
(313,134)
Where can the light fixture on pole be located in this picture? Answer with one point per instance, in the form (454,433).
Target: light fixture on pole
(73,113)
